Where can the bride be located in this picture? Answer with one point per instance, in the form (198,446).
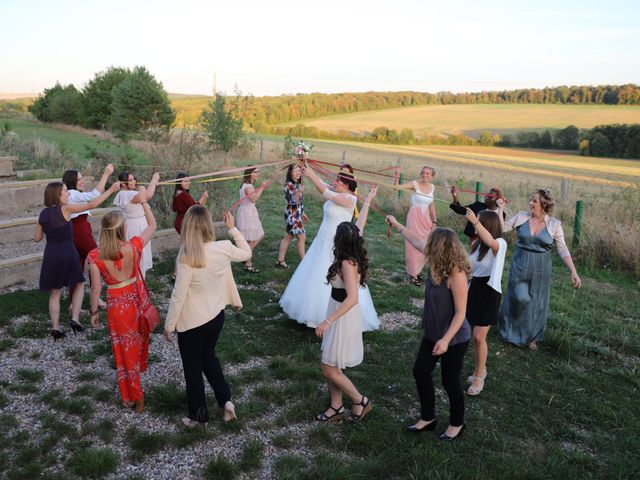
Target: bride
(307,295)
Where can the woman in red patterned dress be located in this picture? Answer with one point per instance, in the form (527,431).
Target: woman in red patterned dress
(118,263)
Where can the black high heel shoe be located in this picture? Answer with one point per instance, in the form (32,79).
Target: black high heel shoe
(428,427)
(446,438)
(76,326)
(56,334)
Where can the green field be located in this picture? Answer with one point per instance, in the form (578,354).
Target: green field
(471,120)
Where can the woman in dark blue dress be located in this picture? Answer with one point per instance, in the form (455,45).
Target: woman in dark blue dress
(61,262)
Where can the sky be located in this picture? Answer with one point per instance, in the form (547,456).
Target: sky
(285,47)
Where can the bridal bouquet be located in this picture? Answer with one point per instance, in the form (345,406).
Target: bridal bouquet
(301,150)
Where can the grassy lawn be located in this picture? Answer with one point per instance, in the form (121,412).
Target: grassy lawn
(564,411)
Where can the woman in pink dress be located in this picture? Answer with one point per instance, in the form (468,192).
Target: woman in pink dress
(248,220)
(421,219)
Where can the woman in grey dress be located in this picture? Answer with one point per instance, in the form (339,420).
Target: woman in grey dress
(524,312)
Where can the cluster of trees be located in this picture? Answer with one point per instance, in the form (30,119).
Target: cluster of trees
(565,139)
(119,99)
(262,112)
(622,141)
(378,135)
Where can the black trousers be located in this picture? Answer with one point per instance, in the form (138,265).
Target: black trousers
(451,365)
(198,352)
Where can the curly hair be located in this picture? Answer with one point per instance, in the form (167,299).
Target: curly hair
(349,245)
(547,200)
(445,254)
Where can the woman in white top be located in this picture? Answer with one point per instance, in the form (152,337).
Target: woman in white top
(341,331)
(128,201)
(488,251)
(421,219)
(204,287)
(307,294)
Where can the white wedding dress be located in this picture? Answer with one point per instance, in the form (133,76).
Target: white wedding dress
(307,295)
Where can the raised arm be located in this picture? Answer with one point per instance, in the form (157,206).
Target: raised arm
(364,213)
(254,194)
(315,179)
(147,233)
(151,189)
(413,238)
(203,198)
(349,272)
(108,170)
(482,232)
(81,207)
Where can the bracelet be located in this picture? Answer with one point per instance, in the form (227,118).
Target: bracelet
(144,203)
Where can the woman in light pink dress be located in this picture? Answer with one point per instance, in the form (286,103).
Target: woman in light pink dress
(421,219)
(248,220)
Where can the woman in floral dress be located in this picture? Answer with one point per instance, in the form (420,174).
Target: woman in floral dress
(294,216)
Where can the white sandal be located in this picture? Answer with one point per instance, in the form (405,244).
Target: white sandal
(229,412)
(473,390)
(471,378)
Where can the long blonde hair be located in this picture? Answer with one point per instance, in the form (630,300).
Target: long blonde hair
(197,229)
(445,254)
(111,235)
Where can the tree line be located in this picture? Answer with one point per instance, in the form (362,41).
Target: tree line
(262,112)
(121,100)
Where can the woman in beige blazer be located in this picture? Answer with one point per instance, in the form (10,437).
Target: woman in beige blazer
(204,287)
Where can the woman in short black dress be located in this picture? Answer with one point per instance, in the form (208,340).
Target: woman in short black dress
(61,261)
(487,256)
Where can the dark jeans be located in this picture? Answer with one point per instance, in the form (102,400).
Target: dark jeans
(451,366)
(198,352)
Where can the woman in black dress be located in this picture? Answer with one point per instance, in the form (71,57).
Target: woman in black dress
(61,262)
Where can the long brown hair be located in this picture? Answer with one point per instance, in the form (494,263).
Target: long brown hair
(197,229)
(247,175)
(349,245)
(111,235)
(445,254)
(52,193)
(490,221)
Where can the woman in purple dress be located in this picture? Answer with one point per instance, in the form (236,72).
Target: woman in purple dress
(61,261)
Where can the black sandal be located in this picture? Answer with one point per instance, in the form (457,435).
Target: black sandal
(335,418)
(251,269)
(282,264)
(366,408)
(415,281)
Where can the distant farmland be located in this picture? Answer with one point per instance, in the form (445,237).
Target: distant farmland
(471,120)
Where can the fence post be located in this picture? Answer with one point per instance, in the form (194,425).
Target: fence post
(261,151)
(479,191)
(577,225)
(397,180)
(564,192)
(344,156)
